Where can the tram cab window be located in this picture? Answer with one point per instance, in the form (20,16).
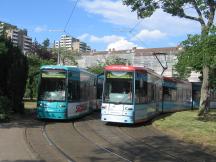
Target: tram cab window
(118,91)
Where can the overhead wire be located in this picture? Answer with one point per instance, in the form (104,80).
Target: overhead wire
(154,54)
(72,11)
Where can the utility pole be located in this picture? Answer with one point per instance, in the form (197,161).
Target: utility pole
(58,59)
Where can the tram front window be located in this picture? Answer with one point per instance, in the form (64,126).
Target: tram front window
(52,89)
(118,89)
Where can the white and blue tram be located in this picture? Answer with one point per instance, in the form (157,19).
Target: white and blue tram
(65,92)
(129,94)
(135,94)
(177,95)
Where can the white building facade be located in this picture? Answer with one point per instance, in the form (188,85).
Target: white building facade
(18,37)
(72,44)
(161,60)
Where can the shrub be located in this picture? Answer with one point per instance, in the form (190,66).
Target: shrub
(5,107)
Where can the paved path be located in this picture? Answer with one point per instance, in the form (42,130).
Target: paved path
(13,146)
(137,143)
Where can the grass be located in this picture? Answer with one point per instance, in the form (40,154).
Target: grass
(187,126)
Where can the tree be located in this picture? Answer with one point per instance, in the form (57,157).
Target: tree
(46,43)
(66,56)
(98,69)
(205,10)
(35,62)
(43,51)
(13,74)
(199,51)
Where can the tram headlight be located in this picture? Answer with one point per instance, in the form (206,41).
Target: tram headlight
(103,107)
(62,106)
(39,104)
(128,108)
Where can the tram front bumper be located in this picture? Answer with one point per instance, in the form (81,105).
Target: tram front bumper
(45,114)
(117,119)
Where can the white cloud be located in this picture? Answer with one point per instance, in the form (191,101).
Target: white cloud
(40,29)
(105,39)
(112,11)
(116,13)
(102,39)
(122,44)
(44,28)
(83,37)
(172,25)
(112,41)
(149,35)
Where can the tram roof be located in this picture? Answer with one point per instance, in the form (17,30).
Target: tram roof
(125,68)
(57,67)
(64,67)
(171,79)
(130,68)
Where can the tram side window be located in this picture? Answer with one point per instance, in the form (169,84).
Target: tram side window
(73,90)
(169,94)
(83,91)
(151,92)
(141,92)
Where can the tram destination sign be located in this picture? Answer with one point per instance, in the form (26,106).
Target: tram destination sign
(119,74)
(53,74)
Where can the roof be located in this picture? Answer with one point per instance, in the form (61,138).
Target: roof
(124,68)
(65,67)
(151,51)
(171,79)
(137,52)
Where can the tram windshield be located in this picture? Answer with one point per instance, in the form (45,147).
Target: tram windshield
(118,87)
(52,85)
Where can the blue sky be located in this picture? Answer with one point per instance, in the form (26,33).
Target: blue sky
(102,24)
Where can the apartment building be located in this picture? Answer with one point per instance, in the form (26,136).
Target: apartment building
(73,44)
(66,42)
(81,47)
(19,37)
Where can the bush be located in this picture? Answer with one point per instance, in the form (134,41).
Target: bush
(13,75)
(5,107)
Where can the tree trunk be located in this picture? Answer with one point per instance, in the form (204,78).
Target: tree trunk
(204,92)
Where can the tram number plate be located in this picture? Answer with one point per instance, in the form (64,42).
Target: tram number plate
(113,108)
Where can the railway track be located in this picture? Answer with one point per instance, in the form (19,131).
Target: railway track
(127,147)
(61,142)
(88,140)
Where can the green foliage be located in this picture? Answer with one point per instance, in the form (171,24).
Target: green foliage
(145,8)
(98,69)
(46,43)
(5,107)
(40,55)
(212,78)
(35,62)
(66,56)
(13,74)
(197,51)
(43,50)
